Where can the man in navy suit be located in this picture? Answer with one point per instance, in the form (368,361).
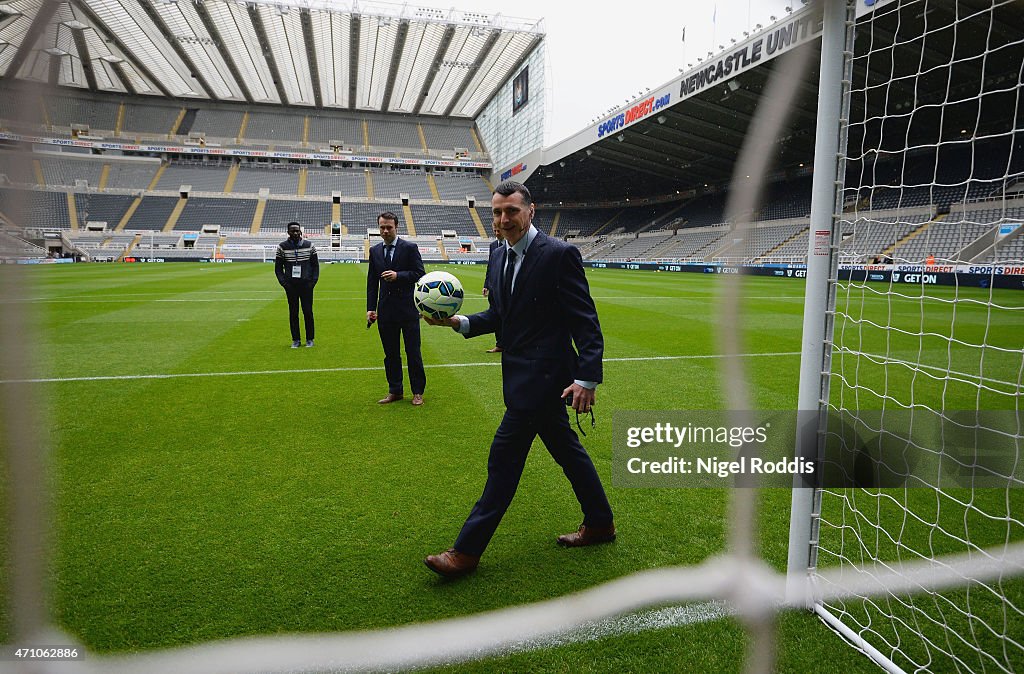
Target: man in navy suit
(543,306)
(491,284)
(395,266)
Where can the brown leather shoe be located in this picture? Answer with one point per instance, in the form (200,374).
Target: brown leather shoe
(588,536)
(417,398)
(390,398)
(496,349)
(451,563)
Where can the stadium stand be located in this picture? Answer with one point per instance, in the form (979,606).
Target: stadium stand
(757,241)
(133,175)
(939,240)
(359,217)
(101,245)
(233,213)
(606,247)
(108,208)
(40,209)
(325,128)
(152,213)
(638,246)
(704,210)
(430,220)
(149,119)
(448,137)
(63,111)
(1006,250)
(691,244)
(314,216)
(350,182)
(389,184)
(639,218)
(218,123)
(874,238)
(62,171)
(202,178)
(393,133)
(279,179)
(11,113)
(940,176)
(16,169)
(456,186)
(584,222)
(789,199)
(13,247)
(791,251)
(542,219)
(275,127)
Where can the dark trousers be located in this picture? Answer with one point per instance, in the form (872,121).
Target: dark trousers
(505,465)
(391,335)
(300,293)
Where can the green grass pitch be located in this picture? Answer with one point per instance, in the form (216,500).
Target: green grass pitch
(276,496)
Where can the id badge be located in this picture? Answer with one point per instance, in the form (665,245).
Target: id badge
(296,271)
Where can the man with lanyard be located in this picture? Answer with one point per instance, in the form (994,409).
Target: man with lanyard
(553,347)
(298,269)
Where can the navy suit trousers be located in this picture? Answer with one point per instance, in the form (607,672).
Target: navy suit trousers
(505,465)
(391,335)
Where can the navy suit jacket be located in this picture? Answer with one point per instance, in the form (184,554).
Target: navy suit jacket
(393,301)
(492,282)
(550,311)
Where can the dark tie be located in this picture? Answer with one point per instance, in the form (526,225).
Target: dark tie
(390,251)
(510,269)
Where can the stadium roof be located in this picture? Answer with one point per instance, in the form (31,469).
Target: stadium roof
(696,139)
(347,54)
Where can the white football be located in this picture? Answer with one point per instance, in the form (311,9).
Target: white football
(438,295)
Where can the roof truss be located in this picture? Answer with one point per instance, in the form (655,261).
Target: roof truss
(357,54)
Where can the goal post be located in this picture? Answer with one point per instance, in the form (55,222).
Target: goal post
(836,38)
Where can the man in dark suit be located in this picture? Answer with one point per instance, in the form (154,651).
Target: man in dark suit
(395,266)
(543,307)
(492,281)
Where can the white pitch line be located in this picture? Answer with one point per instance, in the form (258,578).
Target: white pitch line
(248,373)
(635,623)
(120,299)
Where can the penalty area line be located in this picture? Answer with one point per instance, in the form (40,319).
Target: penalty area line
(250,373)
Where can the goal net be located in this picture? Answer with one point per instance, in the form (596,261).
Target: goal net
(925,365)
